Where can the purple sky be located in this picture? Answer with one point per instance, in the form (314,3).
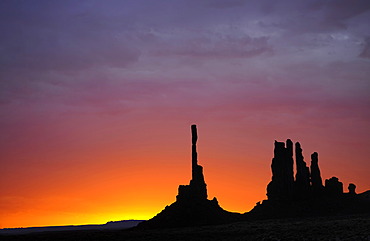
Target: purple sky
(112,56)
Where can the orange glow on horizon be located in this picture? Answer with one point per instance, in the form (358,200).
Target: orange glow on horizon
(96,174)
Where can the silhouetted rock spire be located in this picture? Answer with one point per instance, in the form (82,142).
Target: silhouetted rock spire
(302,177)
(194,154)
(281,185)
(197,183)
(197,189)
(316,180)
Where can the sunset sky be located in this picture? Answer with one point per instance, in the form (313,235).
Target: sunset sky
(97,99)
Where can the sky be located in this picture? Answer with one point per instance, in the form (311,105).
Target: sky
(97,99)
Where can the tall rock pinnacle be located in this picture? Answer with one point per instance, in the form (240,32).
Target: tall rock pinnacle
(302,177)
(316,180)
(197,183)
(197,189)
(281,185)
(194,154)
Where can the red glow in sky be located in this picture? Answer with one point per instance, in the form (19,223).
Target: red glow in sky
(97,99)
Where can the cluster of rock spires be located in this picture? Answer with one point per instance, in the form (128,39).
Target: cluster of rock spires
(304,195)
(307,182)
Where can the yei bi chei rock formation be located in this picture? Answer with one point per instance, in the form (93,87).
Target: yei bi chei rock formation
(307,182)
(304,194)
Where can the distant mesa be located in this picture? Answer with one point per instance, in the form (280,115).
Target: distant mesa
(287,195)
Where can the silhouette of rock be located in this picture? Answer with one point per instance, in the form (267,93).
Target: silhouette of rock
(316,180)
(302,177)
(197,189)
(192,208)
(333,187)
(281,185)
(352,189)
(310,197)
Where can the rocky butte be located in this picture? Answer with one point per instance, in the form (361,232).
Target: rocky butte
(288,195)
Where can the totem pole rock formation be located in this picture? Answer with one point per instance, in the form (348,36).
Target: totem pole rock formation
(197,189)
(192,208)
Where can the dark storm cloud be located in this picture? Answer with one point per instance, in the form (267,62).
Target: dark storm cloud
(69,35)
(91,52)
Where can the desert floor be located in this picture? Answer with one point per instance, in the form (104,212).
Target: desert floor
(322,228)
